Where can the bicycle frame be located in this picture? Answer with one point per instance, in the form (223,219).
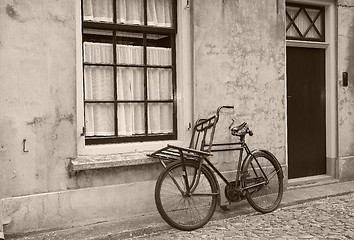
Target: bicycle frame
(199,141)
(242,147)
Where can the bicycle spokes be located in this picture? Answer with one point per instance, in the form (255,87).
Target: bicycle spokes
(177,204)
(263,182)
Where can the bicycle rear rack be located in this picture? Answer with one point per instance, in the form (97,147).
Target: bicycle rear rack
(172,153)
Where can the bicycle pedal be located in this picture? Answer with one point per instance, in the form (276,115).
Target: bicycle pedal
(225,207)
(245,174)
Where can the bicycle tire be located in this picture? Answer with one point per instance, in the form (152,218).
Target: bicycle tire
(266,197)
(186,212)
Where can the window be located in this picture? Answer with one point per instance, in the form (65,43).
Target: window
(305,22)
(129,70)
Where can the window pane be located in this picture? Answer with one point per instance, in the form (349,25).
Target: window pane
(130,12)
(131,119)
(99,119)
(130,54)
(159,84)
(129,48)
(99,83)
(98,52)
(159,56)
(159,50)
(129,38)
(96,35)
(158,40)
(160,117)
(130,83)
(98,10)
(159,13)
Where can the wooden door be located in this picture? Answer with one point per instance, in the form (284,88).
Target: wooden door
(306,112)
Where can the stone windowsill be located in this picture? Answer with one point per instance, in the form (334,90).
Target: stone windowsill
(90,162)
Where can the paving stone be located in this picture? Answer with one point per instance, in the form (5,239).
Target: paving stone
(329,218)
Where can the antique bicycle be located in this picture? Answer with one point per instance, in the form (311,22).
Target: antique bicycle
(187,191)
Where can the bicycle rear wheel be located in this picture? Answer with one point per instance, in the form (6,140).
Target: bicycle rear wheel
(263,182)
(182,211)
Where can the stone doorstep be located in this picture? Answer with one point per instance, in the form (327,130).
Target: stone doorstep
(310,181)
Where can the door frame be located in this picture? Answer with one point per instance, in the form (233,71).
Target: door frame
(330,82)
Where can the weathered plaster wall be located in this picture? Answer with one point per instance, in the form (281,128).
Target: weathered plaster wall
(346,94)
(239,59)
(37,94)
(38,103)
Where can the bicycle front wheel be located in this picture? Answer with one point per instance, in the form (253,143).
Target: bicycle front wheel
(178,208)
(263,182)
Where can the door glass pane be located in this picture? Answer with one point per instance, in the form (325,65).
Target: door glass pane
(302,22)
(318,23)
(305,22)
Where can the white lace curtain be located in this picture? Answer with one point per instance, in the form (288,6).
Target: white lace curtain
(99,86)
(159,12)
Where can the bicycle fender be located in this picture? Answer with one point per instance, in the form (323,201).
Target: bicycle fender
(249,156)
(215,179)
(271,155)
(213,175)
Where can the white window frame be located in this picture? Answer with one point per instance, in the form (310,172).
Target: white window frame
(184,91)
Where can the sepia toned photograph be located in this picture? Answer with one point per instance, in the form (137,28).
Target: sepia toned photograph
(176,119)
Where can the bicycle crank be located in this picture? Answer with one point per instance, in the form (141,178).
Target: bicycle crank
(232,193)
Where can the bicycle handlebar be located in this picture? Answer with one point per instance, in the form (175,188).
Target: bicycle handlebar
(220,107)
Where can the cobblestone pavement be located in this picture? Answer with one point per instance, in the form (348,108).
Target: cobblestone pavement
(328,218)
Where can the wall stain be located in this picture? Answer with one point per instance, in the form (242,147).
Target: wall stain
(64,117)
(57,18)
(11,12)
(36,121)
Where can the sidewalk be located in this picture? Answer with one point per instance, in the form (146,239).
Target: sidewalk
(153,223)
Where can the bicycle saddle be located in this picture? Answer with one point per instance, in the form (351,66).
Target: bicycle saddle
(241,130)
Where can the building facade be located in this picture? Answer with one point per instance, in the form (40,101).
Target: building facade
(74,138)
